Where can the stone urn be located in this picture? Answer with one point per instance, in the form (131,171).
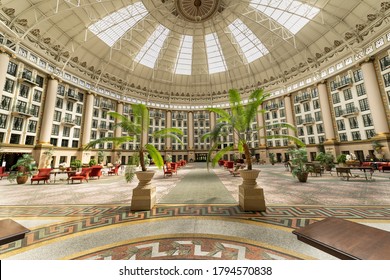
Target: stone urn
(251,197)
(144,195)
(302,176)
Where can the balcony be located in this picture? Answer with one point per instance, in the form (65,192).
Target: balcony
(308,121)
(106,106)
(71,95)
(349,112)
(345,82)
(69,122)
(22,111)
(304,97)
(28,80)
(103,127)
(272,107)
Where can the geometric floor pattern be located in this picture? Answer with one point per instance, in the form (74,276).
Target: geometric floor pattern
(70,220)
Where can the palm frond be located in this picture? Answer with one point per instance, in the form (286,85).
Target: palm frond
(223,113)
(125,123)
(215,133)
(256,98)
(141,115)
(220,154)
(116,140)
(155,155)
(237,109)
(240,146)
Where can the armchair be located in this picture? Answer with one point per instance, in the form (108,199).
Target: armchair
(96,171)
(114,170)
(3,173)
(167,171)
(43,175)
(84,175)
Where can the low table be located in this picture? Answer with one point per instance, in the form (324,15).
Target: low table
(11,231)
(346,240)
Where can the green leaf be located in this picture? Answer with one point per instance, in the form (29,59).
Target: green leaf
(155,155)
(220,154)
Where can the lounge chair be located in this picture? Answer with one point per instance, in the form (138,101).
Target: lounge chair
(43,175)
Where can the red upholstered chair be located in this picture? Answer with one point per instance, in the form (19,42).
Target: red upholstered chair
(43,175)
(3,173)
(96,171)
(84,175)
(114,170)
(167,171)
(174,167)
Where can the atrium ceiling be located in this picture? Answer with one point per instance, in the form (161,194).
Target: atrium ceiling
(195,48)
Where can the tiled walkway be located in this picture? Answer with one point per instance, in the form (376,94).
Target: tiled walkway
(93,220)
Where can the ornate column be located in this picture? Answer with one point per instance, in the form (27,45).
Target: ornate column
(4,60)
(327,118)
(86,127)
(378,112)
(262,140)
(190,129)
(289,113)
(41,150)
(168,141)
(118,131)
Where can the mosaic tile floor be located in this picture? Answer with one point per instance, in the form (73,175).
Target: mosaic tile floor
(94,221)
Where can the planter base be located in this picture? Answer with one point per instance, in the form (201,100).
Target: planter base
(143,199)
(251,197)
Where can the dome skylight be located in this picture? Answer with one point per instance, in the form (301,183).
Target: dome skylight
(292,14)
(112,27)
(215,58)
(249,43)
(184,59)
(149,52)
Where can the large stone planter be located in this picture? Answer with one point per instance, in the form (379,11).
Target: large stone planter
(251,197)
(144,195)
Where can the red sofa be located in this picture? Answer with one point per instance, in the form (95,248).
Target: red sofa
(382,166)
(96,171)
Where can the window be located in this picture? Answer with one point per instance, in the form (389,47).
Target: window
(347,94)
(297,109)
(32,126)
(367,120)
(310,130)
(321,139)
(317,116)
(21,106)
(94,123)
(12,68)
(29,140)
(57,116)
(385,62)
(75,144)
(306,106)
(14,139)
(316,104)
(64,143)
(55,130)
(215,58)
(356,135)
(336,98)
(68,117)
(104,114)
(96,113)
(5,103)
(358,75)
(17,124)
(184,58)
(312,140)
(77,120)
(93,134)
(59,103)
(69,106)
(27,74)
(360,89)
(61,90)
(337,111)
(363,103)
(9,85)
(343,137)
(3,121)
(340,125)
(66,131)
(81,96)
(35,110)
(386,78)
(37,95)
(353,123)
(76,133)
(39,80)
(370,133)
(53,141)
(320,128)
(314,93)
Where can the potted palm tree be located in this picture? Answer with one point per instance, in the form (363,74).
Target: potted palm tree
(239,120)
(24,169)
(326,160)
(299,161)
(144,195)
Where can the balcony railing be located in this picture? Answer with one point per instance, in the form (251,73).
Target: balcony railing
(72,95)
(272,107)
(103,127)
(67,121)
(308,121)
(349,112)
(304,97)
(23,111)
(106,106)
(343,83)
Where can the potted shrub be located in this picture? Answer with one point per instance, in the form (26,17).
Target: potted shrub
(92,162)
(341,159)
(24,169)
(326,160)
(144,195)
(239,120)
(272,158)
(76,164)
(299,159)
